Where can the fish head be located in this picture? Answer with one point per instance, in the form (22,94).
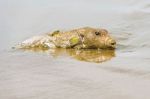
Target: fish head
(97,38)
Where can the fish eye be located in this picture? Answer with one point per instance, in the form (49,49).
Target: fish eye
(97,33)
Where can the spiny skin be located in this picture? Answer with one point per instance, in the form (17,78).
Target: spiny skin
(82,38)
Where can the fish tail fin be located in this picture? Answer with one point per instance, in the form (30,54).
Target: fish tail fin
(43,41)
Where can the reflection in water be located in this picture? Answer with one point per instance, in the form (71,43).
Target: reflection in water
(88,55)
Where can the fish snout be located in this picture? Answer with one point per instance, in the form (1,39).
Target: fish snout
(112,43)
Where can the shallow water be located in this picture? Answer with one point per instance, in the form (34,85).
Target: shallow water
(71,74)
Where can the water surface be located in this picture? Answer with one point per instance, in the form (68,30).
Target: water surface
(70,74)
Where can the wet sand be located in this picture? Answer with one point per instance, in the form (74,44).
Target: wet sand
(70,74)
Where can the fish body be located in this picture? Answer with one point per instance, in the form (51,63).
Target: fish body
(81,38)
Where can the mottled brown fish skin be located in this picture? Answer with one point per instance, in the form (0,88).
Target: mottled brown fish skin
(88,38)
(81,38)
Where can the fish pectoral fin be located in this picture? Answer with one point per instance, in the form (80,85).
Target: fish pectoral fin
(74,41)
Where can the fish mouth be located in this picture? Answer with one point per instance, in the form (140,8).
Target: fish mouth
(112,44)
